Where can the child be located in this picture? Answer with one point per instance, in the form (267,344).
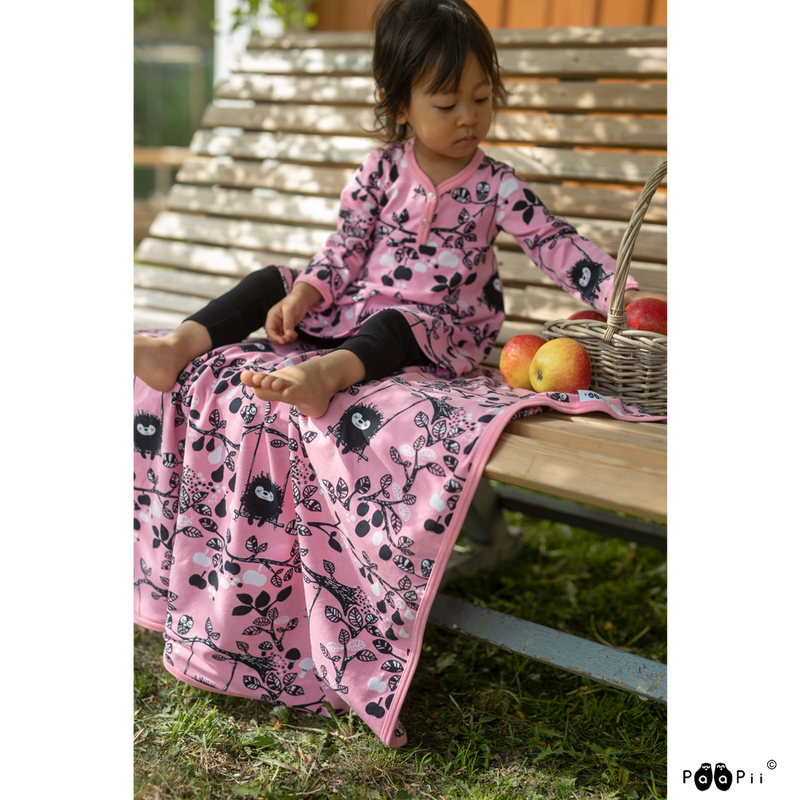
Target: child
(410,277)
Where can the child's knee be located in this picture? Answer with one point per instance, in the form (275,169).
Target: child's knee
(267,282)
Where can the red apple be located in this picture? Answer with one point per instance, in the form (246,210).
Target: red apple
(561,365)
(648,314)
(516,357)
(588,313)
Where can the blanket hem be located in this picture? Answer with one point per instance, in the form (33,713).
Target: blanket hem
(476,473)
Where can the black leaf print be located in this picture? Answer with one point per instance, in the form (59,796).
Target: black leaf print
(366,655)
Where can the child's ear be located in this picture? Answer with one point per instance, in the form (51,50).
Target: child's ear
(399,119)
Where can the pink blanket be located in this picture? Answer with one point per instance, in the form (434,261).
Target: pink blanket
(294,560)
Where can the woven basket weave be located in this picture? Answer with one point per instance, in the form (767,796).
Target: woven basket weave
(626,363)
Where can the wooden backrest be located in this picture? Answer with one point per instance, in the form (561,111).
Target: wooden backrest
(586,125)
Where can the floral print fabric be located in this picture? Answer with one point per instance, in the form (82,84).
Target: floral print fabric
(294,560)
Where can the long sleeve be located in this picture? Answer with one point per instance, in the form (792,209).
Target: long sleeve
(581,268)
(346,252)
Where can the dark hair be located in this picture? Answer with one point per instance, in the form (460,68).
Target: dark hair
(426,41)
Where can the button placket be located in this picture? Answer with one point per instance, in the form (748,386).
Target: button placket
(427,218)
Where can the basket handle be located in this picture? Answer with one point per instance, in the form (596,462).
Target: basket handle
(616,305)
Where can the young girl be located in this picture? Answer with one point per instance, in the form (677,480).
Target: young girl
(410,277)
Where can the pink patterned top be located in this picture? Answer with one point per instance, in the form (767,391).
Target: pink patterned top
(427,251)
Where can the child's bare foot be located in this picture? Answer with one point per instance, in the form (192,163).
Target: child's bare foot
(158,362)
(308,386)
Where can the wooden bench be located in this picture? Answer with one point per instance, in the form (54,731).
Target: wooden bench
(162,160)
(585,125)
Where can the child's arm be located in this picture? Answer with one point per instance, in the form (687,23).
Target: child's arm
(581,268)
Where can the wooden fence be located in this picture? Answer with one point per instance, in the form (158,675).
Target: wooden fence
(354,15)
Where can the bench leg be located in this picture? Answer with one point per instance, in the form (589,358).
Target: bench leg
(491,541)
(641,676)
(607,523)
(494,542)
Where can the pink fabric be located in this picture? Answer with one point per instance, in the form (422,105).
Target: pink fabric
(427,251)
(294,560)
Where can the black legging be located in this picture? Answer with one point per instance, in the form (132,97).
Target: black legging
(384,343)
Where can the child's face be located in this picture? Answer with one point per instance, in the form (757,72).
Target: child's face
(449,126)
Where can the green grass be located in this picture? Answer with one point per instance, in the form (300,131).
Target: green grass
(482,724)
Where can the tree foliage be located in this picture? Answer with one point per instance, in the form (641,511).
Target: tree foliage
(296,14)
(193,20)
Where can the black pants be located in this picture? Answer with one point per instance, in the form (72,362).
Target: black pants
(384,343)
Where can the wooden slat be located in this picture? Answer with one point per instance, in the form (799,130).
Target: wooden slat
(572,129)
(182,305)
(304,148)
(587,36)
(287,239)
(296,178)
(657,433)
(181,282)
(156,318)
(295,209)
(531,163)
(216,260)
(643,98)
(298,88)
(538,304)
(324,211)
(305,61)
(316,39)
(567,201)
(511,328)
(578,165)
(539,95)
(291,117)
(550,129)
(570,62)
(543,453)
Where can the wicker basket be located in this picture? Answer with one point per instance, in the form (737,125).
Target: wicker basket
(626,363)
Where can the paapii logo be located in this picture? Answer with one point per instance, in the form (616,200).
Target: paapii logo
(721,777)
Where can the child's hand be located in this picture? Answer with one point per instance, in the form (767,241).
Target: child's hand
(636,294)
(287,313)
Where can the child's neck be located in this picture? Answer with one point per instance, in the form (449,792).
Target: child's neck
(439,168)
